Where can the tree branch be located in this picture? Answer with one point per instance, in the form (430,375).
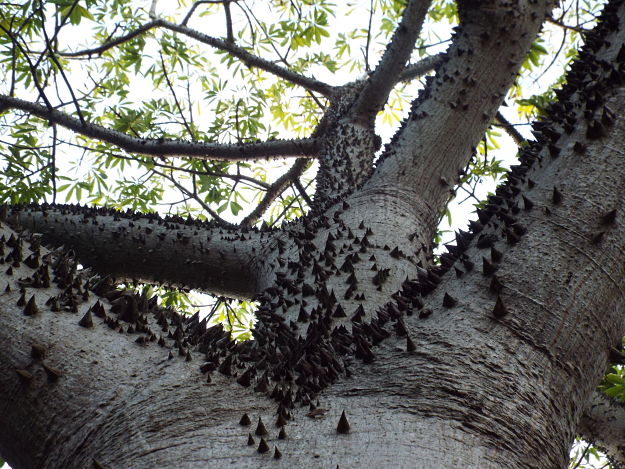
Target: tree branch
(201,2)
(420,68)
(52,55)
(215,216)
(229,33)
(155,250)
(380,83)
(176,102)
(302,190)
(114,42)
(603,423)
(31,66)
(427,157)
(510,130)
(275,190)
(246,57)
(249,180)
(561,24)
(160,147)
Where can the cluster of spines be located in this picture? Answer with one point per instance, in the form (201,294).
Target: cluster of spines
(498,221)
(128,312)
(298,368)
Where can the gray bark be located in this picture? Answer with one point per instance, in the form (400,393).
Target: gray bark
(222,260)
(489,366)
(603,424)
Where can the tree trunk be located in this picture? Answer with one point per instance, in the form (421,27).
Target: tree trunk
(485,361)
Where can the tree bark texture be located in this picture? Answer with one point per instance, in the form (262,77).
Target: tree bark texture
(487,360)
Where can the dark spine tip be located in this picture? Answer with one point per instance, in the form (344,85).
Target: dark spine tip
(260,428)
(500,309)
(410,345)
(495,285)
(37,351)
(597,237)
(556,197)
(86,320)
(263,447)
(488,268)
(31,307)
(245,420)
(449,301)
(527,203)
(495,255)
(343,426)
(609,217)
(281,421)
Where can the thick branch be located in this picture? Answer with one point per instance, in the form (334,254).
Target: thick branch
(113,42)
(603,423)
(560,23)
(150,249)
(80,369)
(451,115)
(246,57)
(383,79)
(160,147)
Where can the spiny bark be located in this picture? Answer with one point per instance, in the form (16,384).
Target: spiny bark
(75,393)
(535,295)
(187,254)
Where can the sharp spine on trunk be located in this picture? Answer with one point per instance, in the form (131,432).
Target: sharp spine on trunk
(262,446)
(343,425)
(260,428)
(500,309)
(449,301)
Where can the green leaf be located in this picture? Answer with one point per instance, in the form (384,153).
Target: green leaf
(235,208)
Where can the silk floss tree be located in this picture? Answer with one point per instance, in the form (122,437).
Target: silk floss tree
(366,350)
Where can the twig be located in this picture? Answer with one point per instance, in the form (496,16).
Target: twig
(286,209)
(275,190)
(58,65)
(420,68)
(581,458)
(200,2)
(32,68)
(578,29)
(195,197)
(368,37)
(53,163)
(173,93)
